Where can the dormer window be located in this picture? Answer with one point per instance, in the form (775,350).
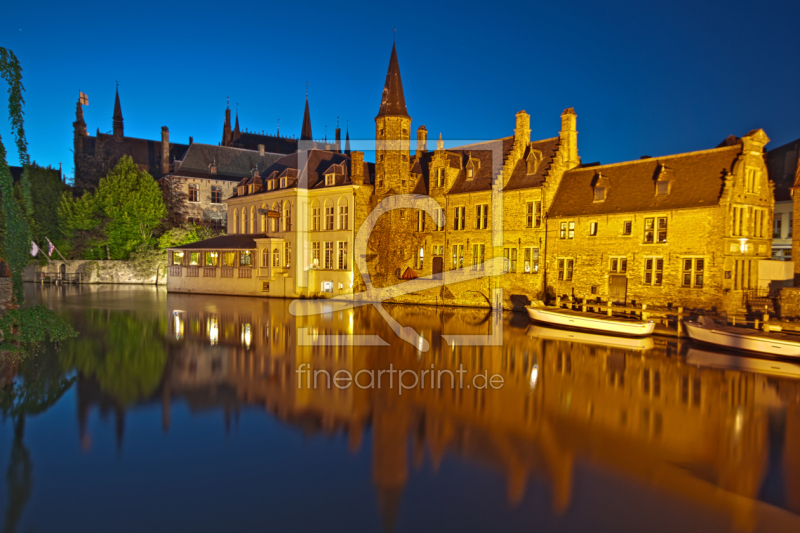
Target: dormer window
(439,177)
(599,194)
(241,190)
(270,185)
(663,180)
(751,180)
(533,161)
(469,173)
(283,183)
(330,179)
(600,186)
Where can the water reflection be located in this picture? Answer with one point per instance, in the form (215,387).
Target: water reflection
(718,432)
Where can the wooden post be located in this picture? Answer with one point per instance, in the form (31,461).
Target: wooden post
(644,314)
(755,325)
(680,321)
(558,301)
(609,309)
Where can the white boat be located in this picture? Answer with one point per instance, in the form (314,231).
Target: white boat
(595,322)
(743,363)
(565,335)
(706,331)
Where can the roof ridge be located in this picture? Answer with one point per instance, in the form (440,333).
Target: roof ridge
(236,148)
(658,158)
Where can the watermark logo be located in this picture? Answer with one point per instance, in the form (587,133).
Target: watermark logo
(376,296)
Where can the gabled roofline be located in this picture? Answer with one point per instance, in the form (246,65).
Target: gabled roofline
(658,159)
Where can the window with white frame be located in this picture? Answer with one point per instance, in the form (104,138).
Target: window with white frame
(618,265)
(531,260)
(510,260)
(342,252)
(315,254)
(458,256)
(693,272)
(329,217)
(482,216)
(565,268)
(592,229)
(343,216)
(655,230)
(478,253)
(459,216)
(287,254)
(315,219)
(283,183)
(329,255)
(653,271)
(330,179)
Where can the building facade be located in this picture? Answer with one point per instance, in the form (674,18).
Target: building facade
(690,230)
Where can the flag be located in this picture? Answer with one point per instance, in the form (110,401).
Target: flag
(34,249)
(50,248)
(83,98)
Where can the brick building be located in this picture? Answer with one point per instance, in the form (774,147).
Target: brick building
(687,229)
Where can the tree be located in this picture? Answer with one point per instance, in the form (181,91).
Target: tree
(132,202)
(174,200)
(17,238)
(83,222)
(44,190)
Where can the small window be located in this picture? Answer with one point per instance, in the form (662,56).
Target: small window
(330,179)
(565,269)
(194,258)
(599,194)
(194,195)
(265,286)
(571,231)
(283,183)
(327,286)
(216,194)
(211,259)
(469,173)
(662,188)
(618,265)
(653,271)
(693,270)
(177,258)
(246,258)
(627,227)
(593,229)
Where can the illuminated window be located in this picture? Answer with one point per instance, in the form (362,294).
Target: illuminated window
(458,256)
(481,216)
(177,258)
(593,229)
(329,255)
(212,258)
(478,252)
(343,217)
(653,271)
(194,193)
(194,258)
(565,268)
(246,258)
(693,270)
(655,230)
(342,255)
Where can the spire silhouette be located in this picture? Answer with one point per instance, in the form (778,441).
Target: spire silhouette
(305,132)
(393,101)
(347,140)
(117,121)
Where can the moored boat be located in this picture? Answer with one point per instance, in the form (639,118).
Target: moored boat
(706,331)
(596,339)
(594,322)
(743,363)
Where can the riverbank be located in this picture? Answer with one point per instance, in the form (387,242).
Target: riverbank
(114,272)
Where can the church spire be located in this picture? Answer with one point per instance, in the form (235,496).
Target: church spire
(119,131)
(393,101)
(236,132)
(305,132)
(347,140)
(226,128)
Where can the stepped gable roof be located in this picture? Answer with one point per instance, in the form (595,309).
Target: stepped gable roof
(276,145)
(490,155)
(312,166)
(782,165)
(230,162)
(697,180)
(223,242)
(144,152)
(520,179)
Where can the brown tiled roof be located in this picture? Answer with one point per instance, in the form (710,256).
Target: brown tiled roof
(393,101)
(520,179)
(144,152)
(697,180)
(314,163)
(223,242)
(230,161)
(276,145)
(782,165)
(490,165)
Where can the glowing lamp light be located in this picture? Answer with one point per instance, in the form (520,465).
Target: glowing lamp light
(534,375)
(213,331)
(246,335)
(743,245)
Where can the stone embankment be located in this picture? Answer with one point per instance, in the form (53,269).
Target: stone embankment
(122,272)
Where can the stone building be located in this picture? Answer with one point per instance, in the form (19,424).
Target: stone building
(687,229)
(782,164)
(691,229)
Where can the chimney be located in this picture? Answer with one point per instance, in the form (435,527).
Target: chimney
(440,143)
(191,140)
(164,150)
(357,170)
(338,138)
(522,133)
(422,140)
(261,149)
(569,138)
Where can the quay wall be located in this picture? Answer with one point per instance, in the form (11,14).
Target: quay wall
(123,272)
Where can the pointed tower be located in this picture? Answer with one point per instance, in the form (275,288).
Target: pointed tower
(305,132)
(226,129)
(392,133)
(78,133)
(347,141)
(236,132)
(119,130)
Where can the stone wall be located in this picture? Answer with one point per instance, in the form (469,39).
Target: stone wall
(5,292)
(789,303)
(100,272)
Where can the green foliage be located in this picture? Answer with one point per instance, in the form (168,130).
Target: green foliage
(185,234)
(83,224)
(124,353)
(45,190)
(132,202)
(24,330)
(16,239)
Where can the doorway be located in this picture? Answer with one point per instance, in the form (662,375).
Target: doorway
(617,289)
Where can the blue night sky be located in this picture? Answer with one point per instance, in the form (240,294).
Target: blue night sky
(644,77)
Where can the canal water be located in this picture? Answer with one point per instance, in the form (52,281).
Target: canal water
(188,413)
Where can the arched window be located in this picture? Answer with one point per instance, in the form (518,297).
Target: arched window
(329,216)
(264,219)
(344,215)
(316,216)
(276,258)
(287,216)
(265,257)
(243,228)
(235,221)
(275,226)
(252,219)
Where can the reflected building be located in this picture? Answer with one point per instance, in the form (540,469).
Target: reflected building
(646,414)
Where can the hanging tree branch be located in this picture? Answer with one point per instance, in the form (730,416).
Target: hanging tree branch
(11,72)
